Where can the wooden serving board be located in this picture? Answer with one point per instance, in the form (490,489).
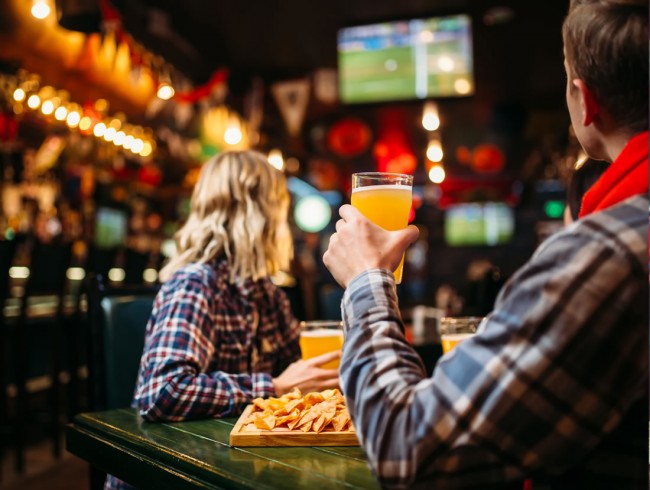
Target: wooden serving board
(249,435)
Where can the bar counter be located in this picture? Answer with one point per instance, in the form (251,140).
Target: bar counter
(197,454)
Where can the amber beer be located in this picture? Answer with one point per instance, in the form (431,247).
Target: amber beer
(453,330)
(385,199)
(320,337)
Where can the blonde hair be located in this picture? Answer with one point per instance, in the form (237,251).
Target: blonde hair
(238,208)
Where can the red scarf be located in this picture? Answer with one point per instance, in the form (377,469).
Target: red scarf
(627,176)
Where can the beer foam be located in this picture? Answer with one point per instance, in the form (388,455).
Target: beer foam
(322,332)
(383,187)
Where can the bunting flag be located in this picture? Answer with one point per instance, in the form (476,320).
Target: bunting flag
(292,97)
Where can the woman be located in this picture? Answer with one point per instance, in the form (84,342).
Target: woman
(221,333)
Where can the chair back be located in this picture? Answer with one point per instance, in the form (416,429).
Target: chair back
(134,265)
(118,319)
(48,268)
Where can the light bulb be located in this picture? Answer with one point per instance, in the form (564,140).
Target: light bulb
(434,151)
(99,130)
(437,174)
(430,118)
(60,113)
(19,95)
(73,119)
(165,91)
(47,108)
(275,159)
(34,101)
(41,9)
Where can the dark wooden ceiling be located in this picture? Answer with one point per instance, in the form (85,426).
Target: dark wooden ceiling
(279,39)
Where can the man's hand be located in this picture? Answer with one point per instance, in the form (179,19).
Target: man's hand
(359,245)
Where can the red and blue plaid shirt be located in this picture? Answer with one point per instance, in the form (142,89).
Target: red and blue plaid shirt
(212,346)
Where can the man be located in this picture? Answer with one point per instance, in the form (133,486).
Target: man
(554,386)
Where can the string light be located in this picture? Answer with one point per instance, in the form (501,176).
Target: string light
(60,113)
(47,108)
(232,135)
(165,91)
(34,101)
(137,145)
(99,130)
(430,118)
(110,134)
(73,119)
(119,138)
(128,142)
(275,159)
(147,148)
(41,9)
(19,95)
(437,174)
(85,123)
(434,151)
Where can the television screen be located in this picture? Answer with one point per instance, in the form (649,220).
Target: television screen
(409,59)
(489,223)
(110,227)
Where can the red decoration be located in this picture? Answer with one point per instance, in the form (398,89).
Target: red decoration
(393,149)
(8,127)
(467,190)
(349,137)
(487,159)
(219,77)
(149,174)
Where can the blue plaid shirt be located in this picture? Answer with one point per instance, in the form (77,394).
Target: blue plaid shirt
(554,386)
(211,346)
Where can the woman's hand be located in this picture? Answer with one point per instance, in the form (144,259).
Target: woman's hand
(359,245)
(308,376)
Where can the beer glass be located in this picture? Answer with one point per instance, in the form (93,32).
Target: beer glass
(385,199)
(453,330)
(319,337)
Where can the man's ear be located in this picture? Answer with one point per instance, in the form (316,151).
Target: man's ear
(588,104)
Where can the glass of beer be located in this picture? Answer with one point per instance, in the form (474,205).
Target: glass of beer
(319,337)
(453,330)
(385,199)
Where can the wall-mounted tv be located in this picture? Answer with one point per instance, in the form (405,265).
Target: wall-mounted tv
(406,59)
(110,227)
(487,223)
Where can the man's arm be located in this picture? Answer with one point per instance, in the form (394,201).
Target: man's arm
(530,391)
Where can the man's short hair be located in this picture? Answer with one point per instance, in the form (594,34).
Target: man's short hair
(606,46)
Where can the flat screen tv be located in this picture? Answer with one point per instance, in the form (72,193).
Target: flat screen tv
(406,59)
(110,227)
(487,223)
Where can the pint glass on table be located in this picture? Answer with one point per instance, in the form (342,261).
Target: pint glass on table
(385,199)
(453,330)
(319,337)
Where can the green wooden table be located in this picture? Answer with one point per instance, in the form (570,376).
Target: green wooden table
(197,455)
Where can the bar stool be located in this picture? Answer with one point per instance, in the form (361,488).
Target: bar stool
(48,267)
(7,254)
(99,261)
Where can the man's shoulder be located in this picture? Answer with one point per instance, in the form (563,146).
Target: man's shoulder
(622,229)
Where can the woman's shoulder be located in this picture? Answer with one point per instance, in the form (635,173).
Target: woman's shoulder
(193,276)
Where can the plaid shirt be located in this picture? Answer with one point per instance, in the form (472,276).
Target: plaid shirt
(554,385)
(211,346)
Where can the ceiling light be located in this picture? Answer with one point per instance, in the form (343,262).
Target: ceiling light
(41,9)
(165,91)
